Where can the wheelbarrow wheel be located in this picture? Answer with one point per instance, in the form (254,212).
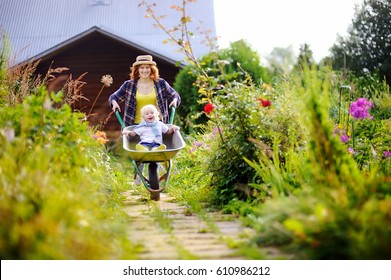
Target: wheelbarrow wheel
(154,180)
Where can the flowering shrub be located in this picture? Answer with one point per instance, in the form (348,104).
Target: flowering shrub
(329,216)
(100,136)
(360,109)
(265,102)
(208,108)
(365,136)
(58,190)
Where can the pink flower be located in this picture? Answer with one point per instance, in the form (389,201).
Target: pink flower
(208,108)
(387,154)
(360,109)
(344,138)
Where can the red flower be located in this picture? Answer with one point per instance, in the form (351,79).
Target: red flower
(265,102)
(208,108)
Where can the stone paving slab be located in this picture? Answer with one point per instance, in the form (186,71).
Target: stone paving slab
(181,236)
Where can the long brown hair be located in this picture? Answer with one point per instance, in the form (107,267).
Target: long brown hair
(135,75)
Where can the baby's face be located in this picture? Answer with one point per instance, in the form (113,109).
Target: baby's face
(149,116)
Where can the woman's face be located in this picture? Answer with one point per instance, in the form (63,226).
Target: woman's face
(144,71)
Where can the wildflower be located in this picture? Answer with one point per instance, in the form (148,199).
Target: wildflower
(196,144)
(216,130)
(106,80)
(266,86)
(101,137)
(208,108)
(360,108)
(387,154)
(9,133)
(351,151)
(344,138)
(265,102)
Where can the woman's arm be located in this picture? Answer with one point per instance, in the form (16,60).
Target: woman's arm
(118,96)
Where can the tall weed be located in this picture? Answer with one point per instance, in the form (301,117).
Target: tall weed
(59,197)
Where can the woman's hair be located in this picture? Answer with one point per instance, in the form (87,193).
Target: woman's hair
(148,108)
(135,75)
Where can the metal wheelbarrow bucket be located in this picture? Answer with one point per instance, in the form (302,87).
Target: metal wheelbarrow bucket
(158,163)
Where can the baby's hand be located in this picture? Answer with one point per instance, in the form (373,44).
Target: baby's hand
(129,133)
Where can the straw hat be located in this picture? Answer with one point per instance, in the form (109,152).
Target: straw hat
(144,59)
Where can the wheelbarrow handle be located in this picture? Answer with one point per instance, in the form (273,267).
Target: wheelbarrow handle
(119,118)
(172,114)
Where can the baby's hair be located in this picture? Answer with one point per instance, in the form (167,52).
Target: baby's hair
(148,108)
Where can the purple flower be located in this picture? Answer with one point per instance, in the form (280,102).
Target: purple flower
(360,108)
(387,154)
(198,143)
(351,151)
(344,138)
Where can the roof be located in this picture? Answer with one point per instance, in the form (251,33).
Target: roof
(36,28)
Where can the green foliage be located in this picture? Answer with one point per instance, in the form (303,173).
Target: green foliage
(368,45)
(285,170)
(328,216)
(60,198)
(238,57)
(222,67)
(368,138)
(238,127)
(305,58)
(280,60)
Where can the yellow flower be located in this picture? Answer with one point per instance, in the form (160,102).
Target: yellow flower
(102,140)
(106,80)
(266,86)
(101,137)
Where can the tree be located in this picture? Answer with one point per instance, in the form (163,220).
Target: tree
(367,47)
(280,59)
(305,57)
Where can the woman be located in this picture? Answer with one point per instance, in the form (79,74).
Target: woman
(144,87)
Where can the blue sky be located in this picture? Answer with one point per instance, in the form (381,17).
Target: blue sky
(266,24)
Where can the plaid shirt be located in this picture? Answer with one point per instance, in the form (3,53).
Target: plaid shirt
(165,94)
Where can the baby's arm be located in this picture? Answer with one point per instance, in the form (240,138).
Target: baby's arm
(129,133)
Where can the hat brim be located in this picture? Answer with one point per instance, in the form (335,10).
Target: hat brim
(145,63)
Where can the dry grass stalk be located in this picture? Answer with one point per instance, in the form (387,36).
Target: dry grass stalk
(20,81)
(73,89)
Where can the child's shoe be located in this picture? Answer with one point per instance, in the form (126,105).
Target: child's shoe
(140,147)
(162,147)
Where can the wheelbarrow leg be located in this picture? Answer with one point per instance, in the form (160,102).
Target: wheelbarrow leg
(153,180)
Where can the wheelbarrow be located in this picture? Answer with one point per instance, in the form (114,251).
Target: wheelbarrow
(157,163)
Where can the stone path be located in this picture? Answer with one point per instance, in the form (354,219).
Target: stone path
(166,230)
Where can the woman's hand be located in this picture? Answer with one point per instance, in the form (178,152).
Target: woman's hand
(115,106)
(172,129)
(173,103)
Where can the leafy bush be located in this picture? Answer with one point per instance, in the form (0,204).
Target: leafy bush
(222,67)
(59,197)
(328,216)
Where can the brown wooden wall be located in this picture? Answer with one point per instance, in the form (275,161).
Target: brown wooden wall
(100,55)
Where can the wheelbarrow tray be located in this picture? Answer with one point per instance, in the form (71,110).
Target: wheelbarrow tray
(174,143)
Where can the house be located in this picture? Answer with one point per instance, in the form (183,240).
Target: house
(99,37)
